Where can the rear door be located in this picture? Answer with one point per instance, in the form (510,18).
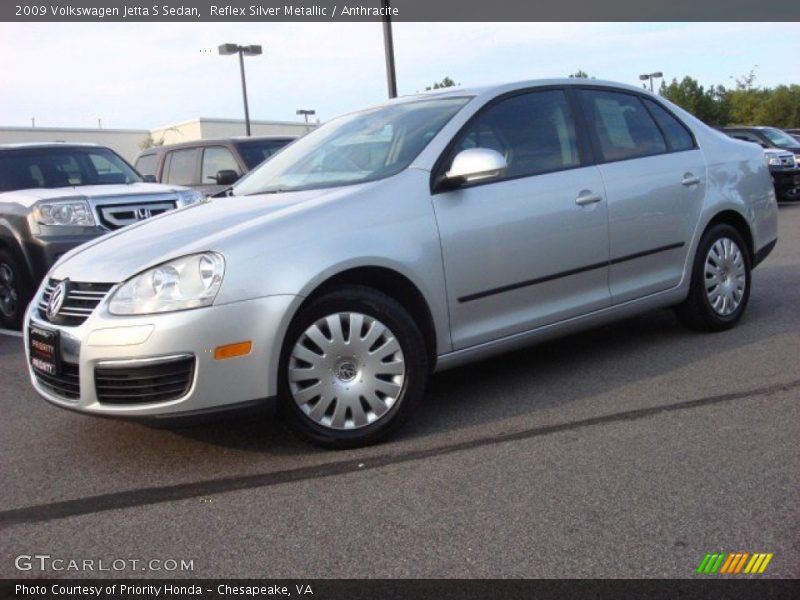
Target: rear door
(655,180)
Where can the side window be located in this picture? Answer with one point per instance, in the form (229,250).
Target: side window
(146,165)
(216,159)
(182,166)
(621,124)
(678,137)
(534,131)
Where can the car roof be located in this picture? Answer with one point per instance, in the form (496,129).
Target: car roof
(22,146)
(221,140)
(498,89)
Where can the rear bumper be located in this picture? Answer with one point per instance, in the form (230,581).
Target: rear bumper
(763,253)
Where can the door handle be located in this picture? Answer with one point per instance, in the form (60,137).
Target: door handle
(586,197)
(689,179)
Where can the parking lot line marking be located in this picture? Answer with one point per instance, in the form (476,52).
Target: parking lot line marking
(11,333)
(183,491)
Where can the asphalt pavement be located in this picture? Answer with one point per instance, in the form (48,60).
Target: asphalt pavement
(627,451)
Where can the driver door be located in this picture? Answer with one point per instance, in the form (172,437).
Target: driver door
(528,248)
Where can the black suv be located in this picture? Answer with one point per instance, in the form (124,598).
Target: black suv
(782,153)
(208,166)
(54,197)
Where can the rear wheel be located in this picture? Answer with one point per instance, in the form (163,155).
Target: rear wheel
(720,286)
(353,366)
(14,291)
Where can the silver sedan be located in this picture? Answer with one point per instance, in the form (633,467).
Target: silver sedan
(407,238)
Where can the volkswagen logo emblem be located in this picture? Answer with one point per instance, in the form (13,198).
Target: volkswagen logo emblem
(143,213)
(56,300)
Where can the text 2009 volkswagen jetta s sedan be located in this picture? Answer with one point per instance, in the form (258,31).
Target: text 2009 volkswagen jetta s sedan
(415,236)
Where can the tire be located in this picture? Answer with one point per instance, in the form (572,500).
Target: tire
(718,298)
(342,390)
(15,291)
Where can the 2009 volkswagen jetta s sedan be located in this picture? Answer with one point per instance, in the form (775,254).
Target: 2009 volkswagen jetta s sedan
(411,237)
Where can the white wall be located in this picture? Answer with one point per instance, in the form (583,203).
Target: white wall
(124,141)
(128,142)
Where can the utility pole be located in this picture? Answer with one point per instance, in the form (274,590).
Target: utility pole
(388,47)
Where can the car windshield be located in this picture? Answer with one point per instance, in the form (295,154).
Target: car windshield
(355,148)
(254,153)
(54,167)
(780,138)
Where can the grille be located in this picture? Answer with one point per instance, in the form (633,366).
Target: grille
(114,216)
(66,384)
(81,300)
(144,383)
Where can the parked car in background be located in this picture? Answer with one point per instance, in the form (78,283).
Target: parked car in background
(782,153)
(208,166)
(785,171)
(54,197)
(795,133)
(428,232)
(767,137)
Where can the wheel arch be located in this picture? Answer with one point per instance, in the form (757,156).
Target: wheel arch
(392,283)
(736,220)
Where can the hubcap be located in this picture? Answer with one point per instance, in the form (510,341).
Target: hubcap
(346,371)
(725,276)
(8,291)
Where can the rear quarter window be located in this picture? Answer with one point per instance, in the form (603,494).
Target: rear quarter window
(678,136)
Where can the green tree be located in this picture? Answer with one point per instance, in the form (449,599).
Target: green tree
(580,74)
(691,96)
(444,83)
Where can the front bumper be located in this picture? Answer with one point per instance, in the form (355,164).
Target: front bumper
(216,384)
(787,183)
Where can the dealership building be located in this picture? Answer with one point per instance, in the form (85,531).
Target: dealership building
(129,142)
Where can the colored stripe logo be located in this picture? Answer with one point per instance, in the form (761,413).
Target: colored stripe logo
(734,563)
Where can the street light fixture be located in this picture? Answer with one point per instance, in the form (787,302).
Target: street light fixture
(242,51)
(651,76)
(306,113)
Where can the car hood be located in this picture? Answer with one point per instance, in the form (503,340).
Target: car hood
(211,225)
(88,192)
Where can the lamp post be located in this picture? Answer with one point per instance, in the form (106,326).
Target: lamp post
(306,113)
(242,51)
(651,76)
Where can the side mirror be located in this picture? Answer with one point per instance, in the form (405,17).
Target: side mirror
(474,164)
(149,178)
(227,177)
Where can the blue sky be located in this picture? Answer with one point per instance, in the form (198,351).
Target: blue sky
(145,75)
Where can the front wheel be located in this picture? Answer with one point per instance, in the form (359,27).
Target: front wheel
(720,285)
(15,292)
(353,366)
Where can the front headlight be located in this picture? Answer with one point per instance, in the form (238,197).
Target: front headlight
(189,197)
(65,212)
(773,160)
(187,282)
